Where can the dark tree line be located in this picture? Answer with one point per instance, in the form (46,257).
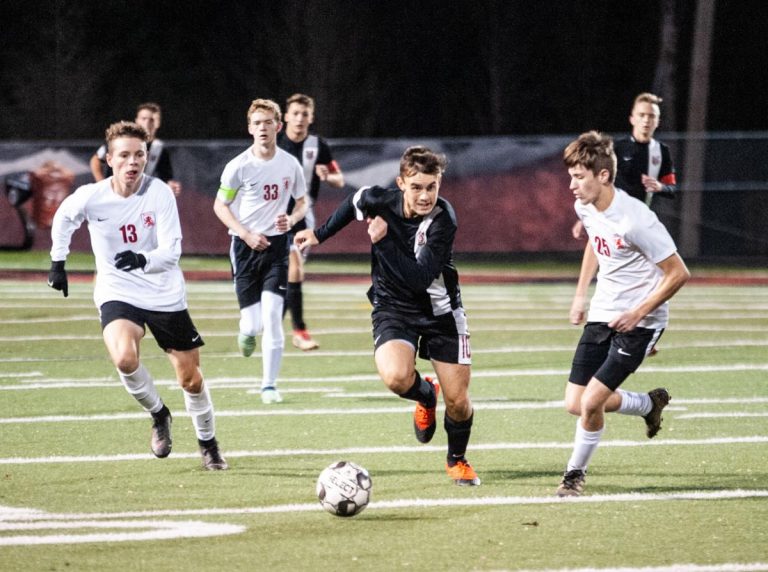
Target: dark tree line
(377,69)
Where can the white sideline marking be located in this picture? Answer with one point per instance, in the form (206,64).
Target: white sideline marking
(111,382)
(758,439)
(728,567)
(148,530)
(35,521)
(476,312)
(419,503)
(729,414)
(515,328)
(280,411)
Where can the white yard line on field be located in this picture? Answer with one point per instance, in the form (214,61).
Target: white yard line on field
(389,450)
(281,411)
(13,519)
(726,415)
(679,567)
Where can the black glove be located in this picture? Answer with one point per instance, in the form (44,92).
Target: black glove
(129,260)
(57,277)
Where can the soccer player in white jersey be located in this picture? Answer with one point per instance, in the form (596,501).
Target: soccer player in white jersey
(252,201)
(135,235)
(639,271)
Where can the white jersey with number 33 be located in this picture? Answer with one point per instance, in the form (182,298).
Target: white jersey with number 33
(146,222)
(629,242)
(257,190)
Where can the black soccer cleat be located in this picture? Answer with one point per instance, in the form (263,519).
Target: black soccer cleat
(212,459)
(572,484)
(659,399)
(161,442)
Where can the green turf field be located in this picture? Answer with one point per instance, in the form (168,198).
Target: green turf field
(79,489)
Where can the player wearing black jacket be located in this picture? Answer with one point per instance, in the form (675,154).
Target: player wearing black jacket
(416,297)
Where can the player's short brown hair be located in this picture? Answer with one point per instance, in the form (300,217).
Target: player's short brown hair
(266,105)
(593,151)
(124,129)
(421,159)
(301,99)
(150,105)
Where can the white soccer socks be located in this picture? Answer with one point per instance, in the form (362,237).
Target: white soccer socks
(141,386)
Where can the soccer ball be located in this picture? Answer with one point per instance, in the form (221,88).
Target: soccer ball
(344,488)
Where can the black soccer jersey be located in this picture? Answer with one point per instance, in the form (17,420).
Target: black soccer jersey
(633,162)
(324,157)
(412,267)
(321,155)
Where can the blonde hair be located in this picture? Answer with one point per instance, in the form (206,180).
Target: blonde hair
(593,151)
(266,105)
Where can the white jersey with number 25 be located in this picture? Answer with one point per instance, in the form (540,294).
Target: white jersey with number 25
(629,242)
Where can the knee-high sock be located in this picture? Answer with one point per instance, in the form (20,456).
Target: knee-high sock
(250,320)
(294,301)
(634,403)
(200,409)
(141,386)
(458,437)
(421,391)
(584,446)
(273,339)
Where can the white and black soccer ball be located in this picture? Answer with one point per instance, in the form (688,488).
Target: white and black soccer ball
(344,488)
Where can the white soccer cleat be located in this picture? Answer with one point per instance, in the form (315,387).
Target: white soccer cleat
(270,395)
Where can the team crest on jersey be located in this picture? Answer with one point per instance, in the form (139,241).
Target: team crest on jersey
(618,242)
(656,160)
(148,219)
(309,154)
(421,238)
(286,183)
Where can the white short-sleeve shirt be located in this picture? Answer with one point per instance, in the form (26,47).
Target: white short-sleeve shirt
(146,222)
(629,242)
(257,190)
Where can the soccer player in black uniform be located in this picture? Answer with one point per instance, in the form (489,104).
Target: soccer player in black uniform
(416,297)
(316,159)
(645,166)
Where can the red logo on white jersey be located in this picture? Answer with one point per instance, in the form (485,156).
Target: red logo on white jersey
(309,154)
(421,238)
(655,160)
(286,183)
(619,243)
(148,220)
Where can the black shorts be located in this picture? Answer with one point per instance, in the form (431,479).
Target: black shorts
(256,271)
(443,338)
(610,356)
(172,330)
